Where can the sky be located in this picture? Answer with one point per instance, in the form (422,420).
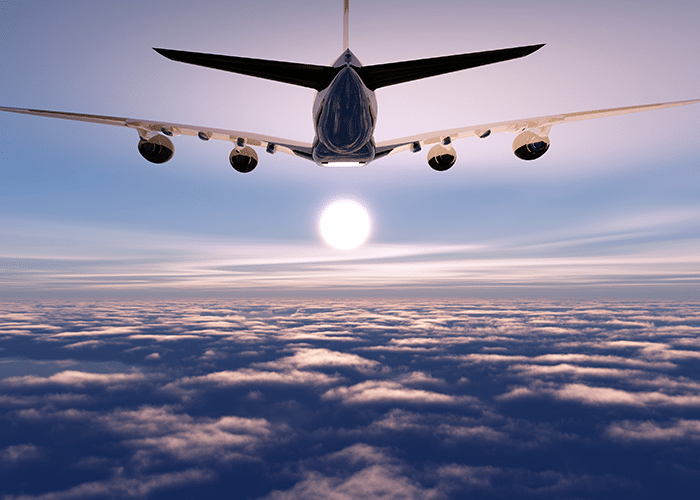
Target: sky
(610,211)
(515,330)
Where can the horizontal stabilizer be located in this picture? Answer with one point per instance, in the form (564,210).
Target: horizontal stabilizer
(383,75)
(305,75)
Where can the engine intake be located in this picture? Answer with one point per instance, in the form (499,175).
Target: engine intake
(441,157)
(243,160)
(530,146)
(157,149)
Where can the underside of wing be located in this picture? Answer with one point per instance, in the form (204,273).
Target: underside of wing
(148,129)
(539,127)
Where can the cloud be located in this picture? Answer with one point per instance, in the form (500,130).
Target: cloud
(318,358)
(122,486)
(211,355)
(363,472)
(390,392)
(78,380)
(470,475)
(20,453)
(420,378)
(537,371)
(153,431)
(48,413)
(183,264)
(251,376)
(510,482)
(447,427)
(565,358)
(376,482)
(370,473)
(60,399)
(103,331)
(603,396)
(341,399)
(650,431)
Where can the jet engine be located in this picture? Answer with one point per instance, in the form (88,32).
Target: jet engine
(441,157)
(243,160)
(157,149)
(530,146)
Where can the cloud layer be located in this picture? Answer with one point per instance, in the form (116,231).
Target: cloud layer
(348,399)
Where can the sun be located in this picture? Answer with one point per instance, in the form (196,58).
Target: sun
(344,224)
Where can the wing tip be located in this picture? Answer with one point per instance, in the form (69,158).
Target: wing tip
(164,52)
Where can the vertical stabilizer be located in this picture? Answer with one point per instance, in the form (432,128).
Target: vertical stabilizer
(346,28)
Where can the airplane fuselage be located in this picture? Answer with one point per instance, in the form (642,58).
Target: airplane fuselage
(344,115)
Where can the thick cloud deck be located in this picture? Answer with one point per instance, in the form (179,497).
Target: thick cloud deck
(344,400)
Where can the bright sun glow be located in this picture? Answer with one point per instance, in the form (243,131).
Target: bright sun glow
(345,224)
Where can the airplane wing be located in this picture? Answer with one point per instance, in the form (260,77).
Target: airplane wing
(539,125)
(147,129)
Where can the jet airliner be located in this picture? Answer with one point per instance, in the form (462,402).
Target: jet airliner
(345,111)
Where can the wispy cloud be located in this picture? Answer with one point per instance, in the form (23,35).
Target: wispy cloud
(250,376)
(78,379)
(125,487)
(621,253)
(152,431)
(374,475)
(676,430)
(604,396)
(388,392)
(318,358)
(20,453)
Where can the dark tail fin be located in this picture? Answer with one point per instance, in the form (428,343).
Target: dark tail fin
(305,75)
(319,77)
(383,75)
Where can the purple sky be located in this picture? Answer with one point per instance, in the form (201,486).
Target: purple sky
(611,210)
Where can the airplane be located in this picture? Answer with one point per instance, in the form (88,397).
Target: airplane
(345,111)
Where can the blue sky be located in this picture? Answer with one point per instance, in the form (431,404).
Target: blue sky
(511,329)
(611,211)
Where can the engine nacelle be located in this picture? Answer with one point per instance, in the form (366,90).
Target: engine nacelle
(441,157)
(157,149)
(243,160)
(530,146)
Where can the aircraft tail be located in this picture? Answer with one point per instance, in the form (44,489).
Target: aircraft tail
(304,75)
(375,76)
(346,25)
(383,75)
